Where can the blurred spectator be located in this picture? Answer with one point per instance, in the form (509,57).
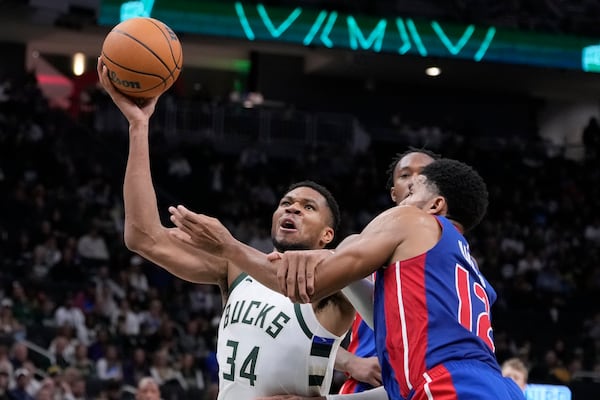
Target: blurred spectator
(82,362)
(110,367)
(530,263)
(85,298)
(19,354)
(192,342)
(202,300)
(4,383)
(47,390)
(147,389)
(45,310)
(112,390)
(67,269)
(19,392)
(34,384)
(592,231)
(192,375)
(68,315)
(152,318)
(136,367)
(105,284)
(105,303)
(551,371)
(23,307)
(10,328)
(64,381)
(125,321)
(179,167)
(164,373)
(165,338)
(515,369)
(63,350)
(137,278)
(47,255)
(92,248)
(97,349)
(74,389)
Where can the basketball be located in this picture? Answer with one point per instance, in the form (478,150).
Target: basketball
(143,57)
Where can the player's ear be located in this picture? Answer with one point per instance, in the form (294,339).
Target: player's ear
(327,235)
(438,206)
(393,194)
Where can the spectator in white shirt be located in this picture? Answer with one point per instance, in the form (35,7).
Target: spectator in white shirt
(92,248)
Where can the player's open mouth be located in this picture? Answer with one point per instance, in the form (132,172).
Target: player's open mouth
(288,225)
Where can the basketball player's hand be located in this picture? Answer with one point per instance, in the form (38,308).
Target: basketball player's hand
(296,276)
(290,397)
(199,230)
(135,110)
(274,256)
(365,369)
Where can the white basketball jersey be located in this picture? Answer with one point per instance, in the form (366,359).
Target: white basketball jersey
(268,345)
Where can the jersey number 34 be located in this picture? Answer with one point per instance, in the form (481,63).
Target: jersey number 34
(247,367)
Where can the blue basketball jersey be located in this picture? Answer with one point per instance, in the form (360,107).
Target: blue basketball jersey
(432,315)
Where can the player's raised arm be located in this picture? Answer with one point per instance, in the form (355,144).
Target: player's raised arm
(144,232)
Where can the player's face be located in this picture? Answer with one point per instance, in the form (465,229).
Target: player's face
(420,193)
(407,168)
(301,221)
(515,375)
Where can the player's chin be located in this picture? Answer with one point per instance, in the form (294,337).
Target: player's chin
(289,243)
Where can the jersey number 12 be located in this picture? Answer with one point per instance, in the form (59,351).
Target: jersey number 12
(483,325)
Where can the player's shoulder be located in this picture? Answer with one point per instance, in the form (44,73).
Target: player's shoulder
(406,212)
(408,219)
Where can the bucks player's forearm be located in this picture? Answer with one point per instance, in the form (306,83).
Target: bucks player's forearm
(144,232)
(142,221)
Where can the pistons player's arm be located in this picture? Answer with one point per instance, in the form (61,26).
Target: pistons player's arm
(355,260)
(395,234)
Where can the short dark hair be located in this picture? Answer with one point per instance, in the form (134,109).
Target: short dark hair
(400,156)
(331,202)
(463,188)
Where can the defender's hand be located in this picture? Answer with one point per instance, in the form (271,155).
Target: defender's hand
(199,230)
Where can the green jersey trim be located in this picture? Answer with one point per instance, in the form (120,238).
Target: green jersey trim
(237,281)
(301,321)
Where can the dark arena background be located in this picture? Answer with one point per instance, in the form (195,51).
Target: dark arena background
(271,93)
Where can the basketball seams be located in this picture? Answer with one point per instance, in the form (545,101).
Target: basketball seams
(167,37)
(118,31)
(131,69)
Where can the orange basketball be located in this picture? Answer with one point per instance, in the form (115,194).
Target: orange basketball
(143,57)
